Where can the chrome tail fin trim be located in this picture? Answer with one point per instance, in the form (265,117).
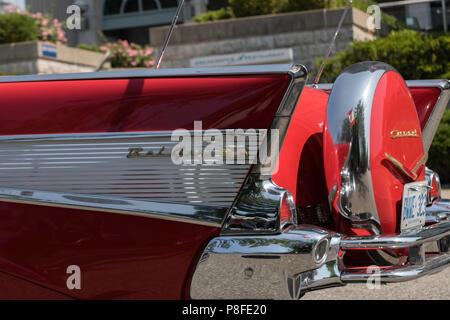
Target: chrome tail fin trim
(256,209)
(432,124)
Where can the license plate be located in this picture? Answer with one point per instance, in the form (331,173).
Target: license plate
(414,203)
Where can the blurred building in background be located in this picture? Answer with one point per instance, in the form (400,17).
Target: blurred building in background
(120,19)
(6,3)
(131,19)
(422,15)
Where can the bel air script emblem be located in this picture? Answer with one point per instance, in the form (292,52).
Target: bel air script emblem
(395,134)
(138,153)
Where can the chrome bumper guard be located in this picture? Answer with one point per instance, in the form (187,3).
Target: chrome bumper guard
(305,258)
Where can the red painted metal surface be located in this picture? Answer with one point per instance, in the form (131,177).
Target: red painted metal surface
(393,109)
(15,288)
(140,104)
(120,256)
(128,257)
(425,99)
(392,98)
(301,158)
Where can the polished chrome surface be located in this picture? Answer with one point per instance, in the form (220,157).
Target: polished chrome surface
(189,213)
(432,124)
(395,274)
(282,121)
(104,164)
(127,166)
(257,208)
(322,86)
(432,177)
(438,83)
(283,266)
(151,73)
(356,200)
(438,211)
(169,34)
(328,274)
(403,240)
(275,262)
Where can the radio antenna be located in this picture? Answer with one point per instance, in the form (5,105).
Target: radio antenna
(327,55)
(169,34)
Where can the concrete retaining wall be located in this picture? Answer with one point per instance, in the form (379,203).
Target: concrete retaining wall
(308,33)
(38,58)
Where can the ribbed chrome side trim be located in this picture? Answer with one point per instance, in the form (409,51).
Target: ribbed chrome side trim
(100,165)
(195,214)
(150,73)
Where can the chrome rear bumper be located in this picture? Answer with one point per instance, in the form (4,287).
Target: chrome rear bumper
(428,253)
(305,258)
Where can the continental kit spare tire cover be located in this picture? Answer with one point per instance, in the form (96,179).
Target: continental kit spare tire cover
(372,148)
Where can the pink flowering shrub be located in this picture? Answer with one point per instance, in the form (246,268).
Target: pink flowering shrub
(50,30)
(129,55)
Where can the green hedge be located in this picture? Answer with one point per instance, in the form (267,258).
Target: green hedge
(88,47)
(414,55)
(439,154)
(224,13)
(246,8)
(15,27)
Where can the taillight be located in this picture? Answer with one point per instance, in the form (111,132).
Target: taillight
(288,213)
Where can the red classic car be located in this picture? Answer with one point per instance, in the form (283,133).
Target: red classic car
(150,184)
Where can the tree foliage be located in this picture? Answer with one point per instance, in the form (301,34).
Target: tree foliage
(15,27)
(414,55)
(439,154)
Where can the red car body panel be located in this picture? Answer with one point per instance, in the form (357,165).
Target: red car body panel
(425,99)
(392,99)
(132,257)
(122,257)
(301,160)
(221,102)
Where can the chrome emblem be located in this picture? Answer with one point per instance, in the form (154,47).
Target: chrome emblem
(395,134)
(136,153)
